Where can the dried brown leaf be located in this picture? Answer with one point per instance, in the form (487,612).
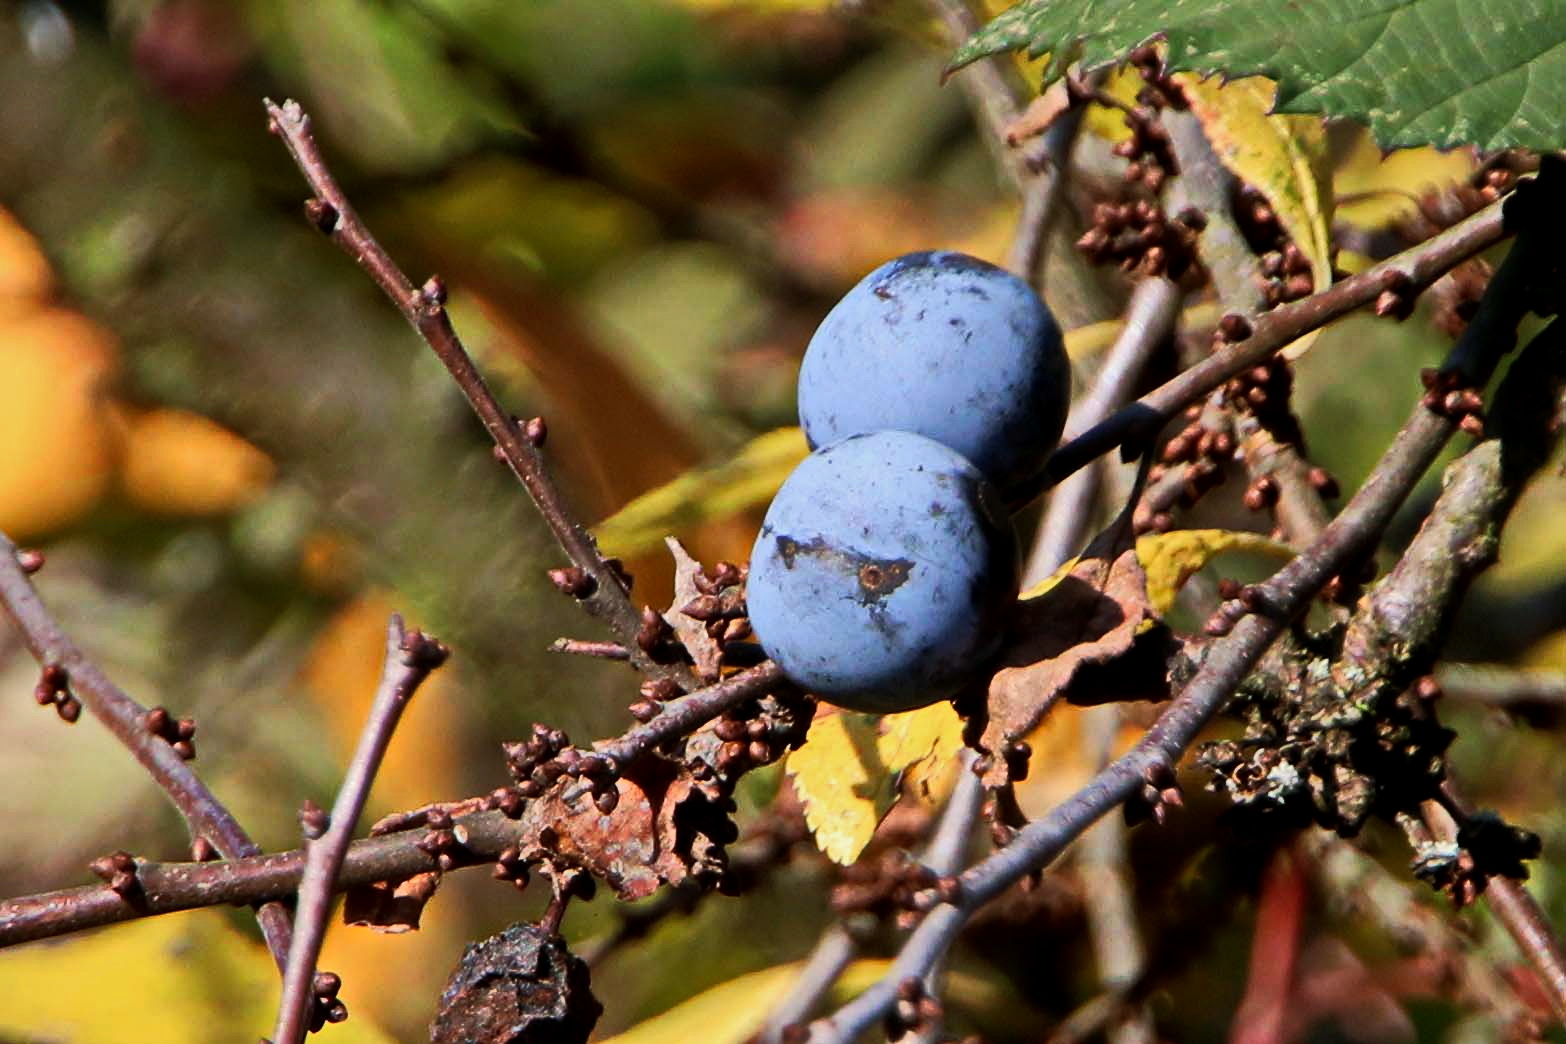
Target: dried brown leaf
(665,828)
(705,651)
(1072,642)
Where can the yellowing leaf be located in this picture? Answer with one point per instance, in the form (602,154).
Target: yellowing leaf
(1283,157)
(747,480)
(1170,559)
(181,463)
(848,772)
(1105,121)
(25,276)
(59,433)
(735,1011)
(189,977)
(1375,189)
(1087,341)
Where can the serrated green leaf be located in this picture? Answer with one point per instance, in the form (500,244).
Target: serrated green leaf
(1437,72)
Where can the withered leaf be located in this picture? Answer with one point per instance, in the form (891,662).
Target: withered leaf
(705,651)
(665,828)
(1088,622)
(390,906)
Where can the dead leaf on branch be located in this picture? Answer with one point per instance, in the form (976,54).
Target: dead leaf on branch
(665,828)
(1093,615)
(1093,632)
(706,653)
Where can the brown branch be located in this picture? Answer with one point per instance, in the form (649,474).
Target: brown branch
(1517,910)
(481,837)
(171,887)
(604,595)
(126,719)
(410,657)
(687,713)
(1207,185)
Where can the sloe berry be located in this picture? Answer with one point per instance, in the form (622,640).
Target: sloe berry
(883,572)
(950,347)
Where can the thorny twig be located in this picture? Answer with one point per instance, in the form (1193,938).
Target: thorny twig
(602,590)
(210,822)
(410,657)
(1279,600)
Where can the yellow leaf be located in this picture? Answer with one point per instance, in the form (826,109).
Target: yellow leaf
(179,463)
(1108,122)
(1376,189)
(59,432)
(1283,157)
(849,770)
(1169,559)
(747,480)
(189,977)
(734,1011)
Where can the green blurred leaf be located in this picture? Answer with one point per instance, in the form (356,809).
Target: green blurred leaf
(1441,72)
(747,480)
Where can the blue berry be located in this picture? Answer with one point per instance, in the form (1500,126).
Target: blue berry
(883,573)
(947,346)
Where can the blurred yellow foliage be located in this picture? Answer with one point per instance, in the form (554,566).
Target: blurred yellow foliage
(60,434)
(181,463)
(25,277)
(188,977)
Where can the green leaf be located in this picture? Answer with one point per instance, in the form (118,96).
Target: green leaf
(1441,72)
(747,480)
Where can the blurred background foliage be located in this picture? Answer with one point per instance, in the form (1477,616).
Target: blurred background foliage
(239,460)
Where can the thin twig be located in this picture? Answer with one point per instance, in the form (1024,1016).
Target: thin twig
(1108,900)
(1206,185)
(425,309)
(832,955)
(583,647)
(1518,911)
(171,887)
(1509,688)
(1151,318)
(687,713)
(1280,599)
(409,660)
(125,718)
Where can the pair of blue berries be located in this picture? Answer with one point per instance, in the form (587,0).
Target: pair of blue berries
(886,566)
